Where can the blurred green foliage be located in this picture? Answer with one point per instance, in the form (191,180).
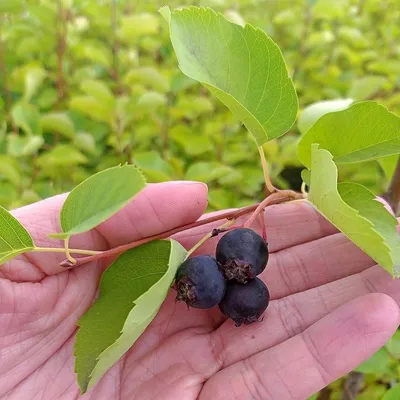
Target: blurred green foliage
(88,84)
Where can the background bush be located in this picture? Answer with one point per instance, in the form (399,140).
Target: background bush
(88,84)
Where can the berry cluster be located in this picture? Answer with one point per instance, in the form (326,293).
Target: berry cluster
(228,280)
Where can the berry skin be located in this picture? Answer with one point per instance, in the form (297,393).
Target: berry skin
(242,254)
(245,304)
(200,282)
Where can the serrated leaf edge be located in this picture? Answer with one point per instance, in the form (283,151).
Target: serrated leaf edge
(383,241)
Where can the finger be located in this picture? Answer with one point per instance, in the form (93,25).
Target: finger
(159,207)
(288,225)
(303,267)
(304,364)
(291,315)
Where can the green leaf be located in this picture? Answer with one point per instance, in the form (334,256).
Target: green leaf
(98,198)
(242,67)
(393,345)
(364,131)
(378,363)
(133,26)
(34,77)
(206,171)
(99,90)
(20,146)
(193,144)
(388,164)
(60,156)
(393,393)
(311,114)
(14,238)
(148,76)
(364,87)
(85,141)
(364,201)
(154,167)
(92,107)
(9,169)
(371,227)
(11,6)
(151,100)
(58,122)
(27,117)
(132,290)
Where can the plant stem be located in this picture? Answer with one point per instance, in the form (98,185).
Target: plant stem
(67,251)
(275,198)
(62,250)
(392,195)
(209,236)
(270,187)
(121,249)
(229,215)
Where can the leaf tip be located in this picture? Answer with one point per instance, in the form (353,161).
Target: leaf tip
(165,11)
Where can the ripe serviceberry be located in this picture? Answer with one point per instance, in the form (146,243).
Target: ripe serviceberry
(200,282)
(242,254)
(245,304)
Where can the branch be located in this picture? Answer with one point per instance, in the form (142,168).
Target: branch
(352,386)
(276,198)
(392,195)
(121,249)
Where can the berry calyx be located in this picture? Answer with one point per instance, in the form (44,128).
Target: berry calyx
(200,282)
(242,254)
(245,304)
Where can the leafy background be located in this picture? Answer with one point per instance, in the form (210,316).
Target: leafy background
(88,84)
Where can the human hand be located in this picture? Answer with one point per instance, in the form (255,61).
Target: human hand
(323,319)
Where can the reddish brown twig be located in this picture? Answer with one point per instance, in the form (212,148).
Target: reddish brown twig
(121,249)
(276,198)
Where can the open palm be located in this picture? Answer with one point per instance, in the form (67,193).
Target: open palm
(331,308)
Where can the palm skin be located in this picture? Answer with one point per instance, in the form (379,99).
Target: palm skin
(331,309)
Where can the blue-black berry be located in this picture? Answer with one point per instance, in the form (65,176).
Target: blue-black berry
(242,254)
(245,304)
(200,282)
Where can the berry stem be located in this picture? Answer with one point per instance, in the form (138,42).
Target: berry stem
(275,198)
(270,187)
(209,236)
(263,226)
(71,259)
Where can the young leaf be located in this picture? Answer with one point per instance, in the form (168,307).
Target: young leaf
(242,67)
(369,226)
(14,238)
(311,114)
(58,122)
(132,290)
(364,131)
(98,198)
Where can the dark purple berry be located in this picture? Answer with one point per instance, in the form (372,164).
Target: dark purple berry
(245,304)
(242,254)
(200,282)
